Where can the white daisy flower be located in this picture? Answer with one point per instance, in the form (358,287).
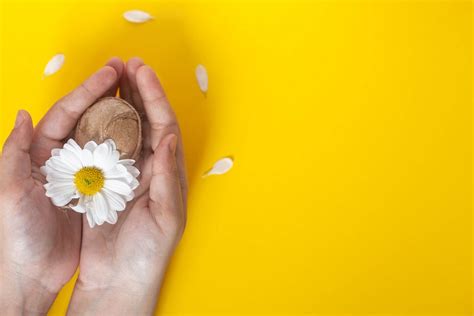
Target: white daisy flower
(95,176)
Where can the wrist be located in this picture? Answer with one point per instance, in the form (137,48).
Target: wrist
(24,296)
(123,299)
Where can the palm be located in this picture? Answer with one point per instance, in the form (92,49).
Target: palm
(131,248)
(42,234)
(144,236)
(42,242)
(109,249)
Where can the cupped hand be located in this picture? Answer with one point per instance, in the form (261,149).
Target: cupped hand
(122,265)
(40,243)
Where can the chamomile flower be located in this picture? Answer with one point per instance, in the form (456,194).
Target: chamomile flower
(94,177)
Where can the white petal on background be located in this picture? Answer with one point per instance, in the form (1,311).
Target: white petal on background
(201,77)
(53,65)
(137,16)
(220,167)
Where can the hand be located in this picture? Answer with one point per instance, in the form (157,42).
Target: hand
(40,243)
(122,265)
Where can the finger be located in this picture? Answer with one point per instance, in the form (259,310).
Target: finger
(62,117)
(125,90)
(15,157)
(157,108)
(117,64)
(166,201)
(128,86)
(161,117)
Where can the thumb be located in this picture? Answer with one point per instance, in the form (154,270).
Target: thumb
(15,161)
(166,201)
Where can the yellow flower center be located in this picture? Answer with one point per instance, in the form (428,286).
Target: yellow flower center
(89,180)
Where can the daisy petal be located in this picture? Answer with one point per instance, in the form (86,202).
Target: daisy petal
(87,158)
(62,200)
(89,205)
(116,202)
(71,142)
(111,144)
(73,147)
(112,217)
(55,151)
(117,186)
(115,156)
(133,171)
(59,165)
(100,207)
(45,170)
(55,184)
(80,207)
(130,197)
(58,175)
(90,146)
(69,157)
(104,159)
(126,162)
(118,172)
(100,154)
(98,221)
(134,184)
(61,188)
(90,219)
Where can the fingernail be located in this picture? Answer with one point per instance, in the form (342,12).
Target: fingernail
(19,118)
(172,144)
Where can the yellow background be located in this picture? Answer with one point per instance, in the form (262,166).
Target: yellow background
(350,125)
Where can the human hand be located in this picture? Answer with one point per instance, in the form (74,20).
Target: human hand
(40,242)
(122,265)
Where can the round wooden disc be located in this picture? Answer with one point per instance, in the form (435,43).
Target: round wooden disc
(112,118)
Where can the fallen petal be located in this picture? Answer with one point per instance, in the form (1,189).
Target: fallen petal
(220,167)
(53,65)
(137,16)
(201,76)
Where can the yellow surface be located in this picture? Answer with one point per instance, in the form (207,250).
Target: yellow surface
(350,125)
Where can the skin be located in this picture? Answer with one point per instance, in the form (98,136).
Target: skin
(122,265)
